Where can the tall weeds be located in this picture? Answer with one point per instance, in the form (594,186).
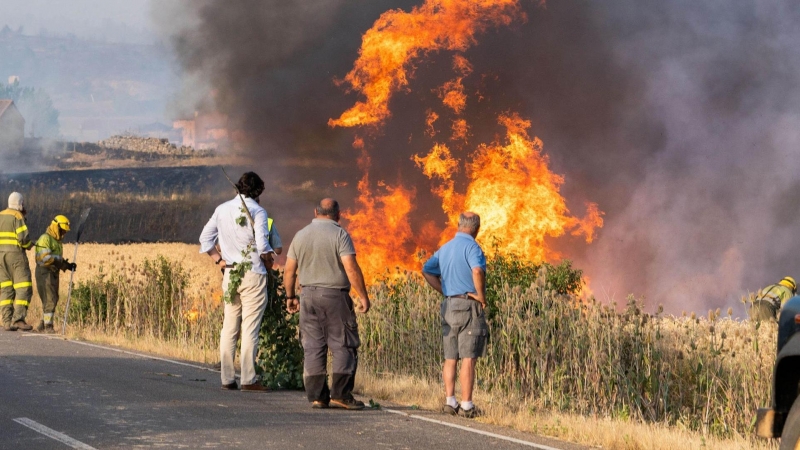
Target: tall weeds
(549,351)
(147,300)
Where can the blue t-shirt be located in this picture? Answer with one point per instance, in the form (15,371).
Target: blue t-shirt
(454,263)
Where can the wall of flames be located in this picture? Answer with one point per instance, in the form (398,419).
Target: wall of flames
(507,182)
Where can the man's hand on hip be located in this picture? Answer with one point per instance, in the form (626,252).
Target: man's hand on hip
(482,301)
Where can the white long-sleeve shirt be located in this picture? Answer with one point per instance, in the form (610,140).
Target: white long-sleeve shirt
(234,238)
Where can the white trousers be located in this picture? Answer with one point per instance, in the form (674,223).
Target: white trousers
(244,313)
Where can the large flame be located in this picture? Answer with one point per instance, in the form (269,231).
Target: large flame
(508,182)
(398,37)
(517,196)
(379,225)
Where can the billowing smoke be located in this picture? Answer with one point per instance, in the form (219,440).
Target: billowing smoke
(679,118)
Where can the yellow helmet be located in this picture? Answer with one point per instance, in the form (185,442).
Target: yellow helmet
(789,282)
(62,222)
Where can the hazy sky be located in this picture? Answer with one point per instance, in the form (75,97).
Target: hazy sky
(111,20)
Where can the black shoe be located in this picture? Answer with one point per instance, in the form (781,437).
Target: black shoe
(450,410)
(231,386)
(469,413)
(349,403)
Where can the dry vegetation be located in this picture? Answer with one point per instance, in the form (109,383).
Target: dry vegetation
(580,372)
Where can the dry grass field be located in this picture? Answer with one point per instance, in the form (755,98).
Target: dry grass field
(574,371)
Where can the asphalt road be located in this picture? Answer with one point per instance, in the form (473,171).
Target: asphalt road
(59,394)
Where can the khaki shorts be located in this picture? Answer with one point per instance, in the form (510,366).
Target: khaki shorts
(464,328)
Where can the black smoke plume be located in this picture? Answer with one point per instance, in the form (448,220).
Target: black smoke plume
(679,118)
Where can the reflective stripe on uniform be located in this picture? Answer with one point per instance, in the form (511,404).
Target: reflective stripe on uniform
(269,224)
(8,234)
(24,284)
(21,303)
(14,242)
(48,318)
(6,284)
(6,302)
(22,228)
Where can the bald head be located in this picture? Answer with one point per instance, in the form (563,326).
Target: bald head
(327,208)
(470,223)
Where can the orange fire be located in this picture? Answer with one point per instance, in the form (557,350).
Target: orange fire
(508,182)
(517,196)
(380,228)
(460,130)
(399,37)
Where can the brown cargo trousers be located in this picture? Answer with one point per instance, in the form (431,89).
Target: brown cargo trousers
(328,322)
(47,287)
(16,288)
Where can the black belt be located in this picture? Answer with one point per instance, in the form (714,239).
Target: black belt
(464,296)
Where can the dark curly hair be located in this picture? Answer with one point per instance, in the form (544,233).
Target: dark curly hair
(250,185)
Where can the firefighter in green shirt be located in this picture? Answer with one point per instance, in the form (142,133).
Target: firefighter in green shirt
(49,260)
(15,273)
(769,300)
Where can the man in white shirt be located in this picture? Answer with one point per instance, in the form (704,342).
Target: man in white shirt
(231,229)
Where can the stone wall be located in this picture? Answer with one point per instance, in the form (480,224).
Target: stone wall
(151,145)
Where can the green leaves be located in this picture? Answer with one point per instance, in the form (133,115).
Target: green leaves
(280,357)
(236,274)
(242,220)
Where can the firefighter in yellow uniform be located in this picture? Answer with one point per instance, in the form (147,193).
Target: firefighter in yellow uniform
(768,301)
(49,260)
(15,274)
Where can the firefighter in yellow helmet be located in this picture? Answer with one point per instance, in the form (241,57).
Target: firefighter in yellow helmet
(769,300)
(15,273)
(49,260)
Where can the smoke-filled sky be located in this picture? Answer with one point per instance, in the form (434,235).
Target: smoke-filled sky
(125,21)
(679,118)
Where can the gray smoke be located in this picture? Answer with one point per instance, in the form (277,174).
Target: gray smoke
(679,118)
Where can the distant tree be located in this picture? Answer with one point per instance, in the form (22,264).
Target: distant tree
(41,118)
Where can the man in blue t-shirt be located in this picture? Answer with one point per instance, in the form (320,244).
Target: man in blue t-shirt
(458,271)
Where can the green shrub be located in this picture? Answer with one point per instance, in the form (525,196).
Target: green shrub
(280,358)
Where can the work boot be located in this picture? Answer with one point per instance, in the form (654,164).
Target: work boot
(346,403)
(21,325)
(9,327)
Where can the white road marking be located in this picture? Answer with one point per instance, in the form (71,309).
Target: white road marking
(53,434)
(472,430)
